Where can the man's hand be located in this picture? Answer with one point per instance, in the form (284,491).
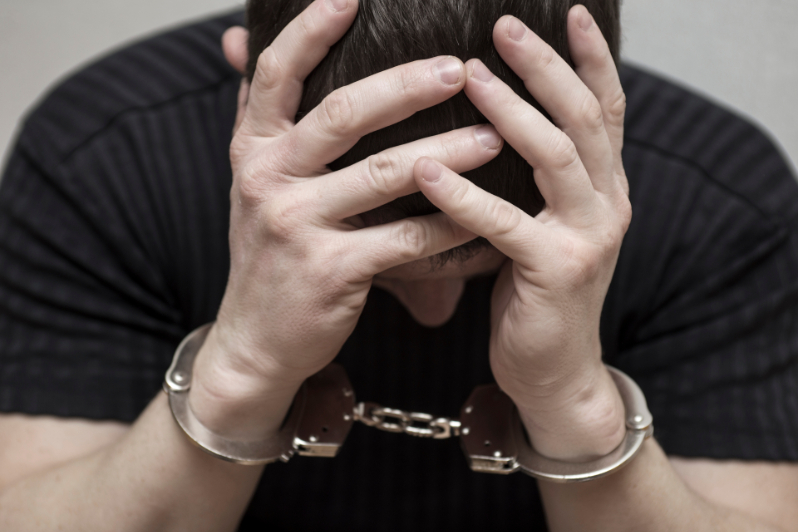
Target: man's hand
(301,264)
(545,347)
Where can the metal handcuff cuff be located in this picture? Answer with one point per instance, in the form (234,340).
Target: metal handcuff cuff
(490,430)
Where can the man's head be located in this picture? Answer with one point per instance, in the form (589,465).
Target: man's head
(387,33)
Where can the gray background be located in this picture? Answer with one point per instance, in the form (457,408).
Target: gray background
(743,53)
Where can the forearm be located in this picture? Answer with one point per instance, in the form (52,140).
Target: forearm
(152,479)
(646,495)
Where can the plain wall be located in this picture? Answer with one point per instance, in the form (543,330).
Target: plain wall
(742,53)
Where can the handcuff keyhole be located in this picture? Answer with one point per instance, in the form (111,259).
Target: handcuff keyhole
(325,429)
(487,443)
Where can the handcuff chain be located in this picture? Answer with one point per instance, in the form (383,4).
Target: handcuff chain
(492,435)
(416,424)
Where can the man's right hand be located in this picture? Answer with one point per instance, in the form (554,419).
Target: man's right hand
(301,264)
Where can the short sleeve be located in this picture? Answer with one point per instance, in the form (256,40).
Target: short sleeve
(85,320)
(704,307)
(114,214)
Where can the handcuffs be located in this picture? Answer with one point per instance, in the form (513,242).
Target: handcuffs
(490,429)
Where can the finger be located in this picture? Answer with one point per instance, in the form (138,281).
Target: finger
(381,247)
(388,175)
(284,65)
(351,112)
(559,173)
(243,96)
(508,228)
(234,45)
(503,290)
(596,67)
(554,84)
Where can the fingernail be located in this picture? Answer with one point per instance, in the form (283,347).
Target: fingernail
(481,72)
(585,21)
(338,5)
(516,29)
(449,71)
(488,137)
(431,171)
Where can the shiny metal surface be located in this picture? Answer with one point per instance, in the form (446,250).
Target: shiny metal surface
(240,452)
(326,416)
(486,435)
(317,423)
(492,435)
(416,424)
(178,376)
(494,439)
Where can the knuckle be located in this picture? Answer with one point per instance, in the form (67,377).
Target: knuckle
(590,113)
(603,56)
(562,152)
(239,150)
(454,147)
(505,217)
(546,57)
(270,71)
(581,265)
(308,25)
(624,210)
(250,190)
(383,171)
(616,106)
(253,182)
(282,218)
(610,240)
(405,82)
(284,153)
(351,271)
(330,253)
(591,267)
(411,239)
(609,233)
(593,261)
(459,194)
(337,112)
(258,167)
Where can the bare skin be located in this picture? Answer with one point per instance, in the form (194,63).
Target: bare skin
(545,353)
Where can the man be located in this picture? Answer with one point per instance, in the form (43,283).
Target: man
(108,246)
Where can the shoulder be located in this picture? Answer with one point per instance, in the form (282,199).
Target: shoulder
(117,189)
(153,73)
(701,139)
(715,223)
(702,309)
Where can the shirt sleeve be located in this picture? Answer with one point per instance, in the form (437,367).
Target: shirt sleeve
(704,310)
(87,323)
(114,216)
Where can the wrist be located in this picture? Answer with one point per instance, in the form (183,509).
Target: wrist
(236,403)
(582,421)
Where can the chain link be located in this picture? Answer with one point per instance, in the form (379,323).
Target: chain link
(416,424)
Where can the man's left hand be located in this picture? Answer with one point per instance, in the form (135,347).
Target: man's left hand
(545,348)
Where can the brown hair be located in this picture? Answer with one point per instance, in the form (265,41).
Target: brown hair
(387,33)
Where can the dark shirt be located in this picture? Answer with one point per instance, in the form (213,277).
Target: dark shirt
(113,246)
